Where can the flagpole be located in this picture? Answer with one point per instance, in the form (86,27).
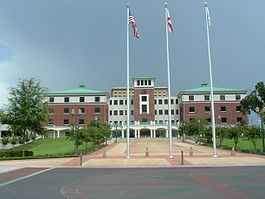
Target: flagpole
(169,89)
(128,84)
(211,78)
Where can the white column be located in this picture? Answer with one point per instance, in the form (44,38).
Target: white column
(58,134)
(154,133)
(167,133)
(122,133)
(151,133)
(138,133)
(135,133)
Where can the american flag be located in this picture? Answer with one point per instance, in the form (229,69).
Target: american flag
(134,27)
(169,23)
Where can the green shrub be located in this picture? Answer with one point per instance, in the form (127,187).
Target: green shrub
(15,153)
(5,141)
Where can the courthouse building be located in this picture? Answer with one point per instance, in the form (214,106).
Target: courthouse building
(148,108)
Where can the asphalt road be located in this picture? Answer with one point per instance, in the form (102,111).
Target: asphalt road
(162,183)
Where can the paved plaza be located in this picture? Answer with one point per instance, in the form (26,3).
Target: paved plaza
(114,155)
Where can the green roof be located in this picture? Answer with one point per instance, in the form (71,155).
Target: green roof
(206,88)
(81,90)
(143,78)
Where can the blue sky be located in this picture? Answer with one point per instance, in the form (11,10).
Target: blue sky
(65,43)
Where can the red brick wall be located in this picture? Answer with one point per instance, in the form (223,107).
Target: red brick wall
(137,115)
(89,114)
(231,114)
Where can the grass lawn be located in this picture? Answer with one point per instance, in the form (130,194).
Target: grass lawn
(243,145)
(53,147)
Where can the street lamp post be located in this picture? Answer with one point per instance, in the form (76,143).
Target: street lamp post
(261,114)
(221,139)
(75,115)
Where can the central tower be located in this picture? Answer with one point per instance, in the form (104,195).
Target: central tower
(144,99)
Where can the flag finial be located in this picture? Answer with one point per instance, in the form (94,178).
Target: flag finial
(205,4)
(165,4)
(127,5)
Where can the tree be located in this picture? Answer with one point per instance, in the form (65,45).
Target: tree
(255,101)
(95,131)
(253,134)
(27,111)
(234,133)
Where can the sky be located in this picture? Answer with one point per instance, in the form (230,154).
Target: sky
(65,43)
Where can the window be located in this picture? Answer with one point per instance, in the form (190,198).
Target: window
(238,97)
(239,119)
(192,109)
(160,121)
(222,97)
(110,112)
(155,112)
(149,82)
(166,112)
(206,97)
(110,102)
(209,119)
(138,82)
(160,101)
(155,101)
(66,99)
(131,112)
(81,121)
(160,112)
(65,121)
(51,99)
(177,112)
(223,108)
(121,102)
(115,112)
(81,99)
(165,101)
(172,112)
(207,108)
(97,99)
(144,108)
(145,82)
(224,120)
(121,112)
(144,98)
(238,108)
(66,110)
(191,97)
(172,101)
(115,102)
(97,110)
(142,82)
(51,121)
(81,110)
(131,102)
(177,101)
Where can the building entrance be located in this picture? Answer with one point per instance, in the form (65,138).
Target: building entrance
(145,133)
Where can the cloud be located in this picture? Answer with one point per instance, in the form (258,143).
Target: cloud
(6,80)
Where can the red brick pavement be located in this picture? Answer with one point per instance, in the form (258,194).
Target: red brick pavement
(12,175)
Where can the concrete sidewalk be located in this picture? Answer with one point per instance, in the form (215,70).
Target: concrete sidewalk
(114,156)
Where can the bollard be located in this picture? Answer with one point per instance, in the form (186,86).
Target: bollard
(81,159)
(191,152)
(181,158)
(233,153)
(104,154)
(146,152)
